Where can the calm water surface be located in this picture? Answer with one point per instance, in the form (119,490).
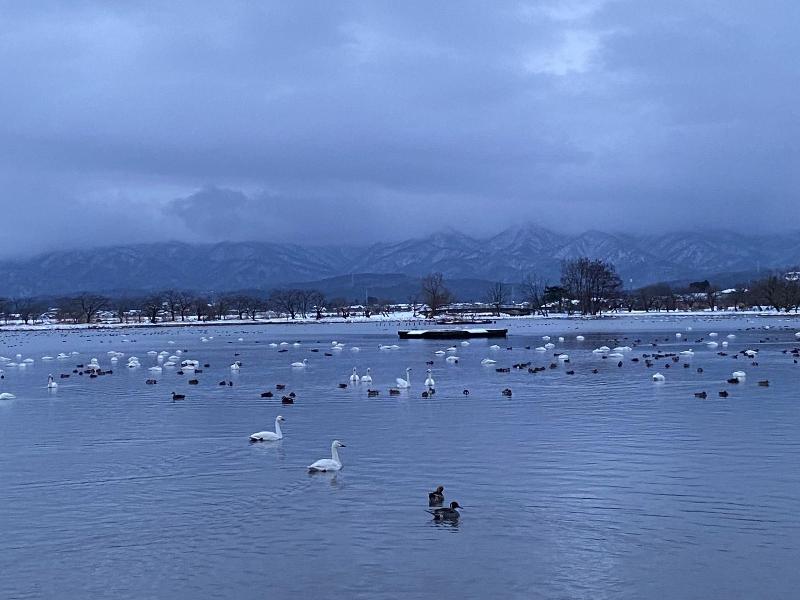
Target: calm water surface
(578,486)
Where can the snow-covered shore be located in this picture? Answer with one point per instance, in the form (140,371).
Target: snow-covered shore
(400,319)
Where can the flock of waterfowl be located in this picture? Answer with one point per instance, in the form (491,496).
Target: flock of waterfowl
(620,354)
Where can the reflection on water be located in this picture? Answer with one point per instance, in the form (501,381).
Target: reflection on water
(587,485)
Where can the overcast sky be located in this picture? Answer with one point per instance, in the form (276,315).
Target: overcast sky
(342,122)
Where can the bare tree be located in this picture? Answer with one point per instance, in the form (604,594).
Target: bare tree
(152,306)
(172,299)
(533,288)
(284,301)
(341,306)
(496,295)
(593,283)
(90,305)
(5,308)
(185,303)
(435,294)
(27,308)
(308,299)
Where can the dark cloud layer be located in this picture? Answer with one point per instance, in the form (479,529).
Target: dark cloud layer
(338,121)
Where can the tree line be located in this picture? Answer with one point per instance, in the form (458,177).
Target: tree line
(586,286)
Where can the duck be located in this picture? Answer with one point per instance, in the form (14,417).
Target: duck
(367,378)
(300,365)
(446,513)
(354,378)
(269,436)
(266,394)
(506,392)
(51,384)
(436,497)
(334,463)
(178,396)
(429,382)
(404,383)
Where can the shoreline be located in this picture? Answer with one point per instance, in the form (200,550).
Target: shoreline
(404,320)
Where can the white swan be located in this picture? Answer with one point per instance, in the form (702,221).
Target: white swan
(488,361)
(404,383)
(739,374)
(334,463)
(659,378)
(580,338)
(51,383)
(300,365)
(7,396)
(429,382)
(234,367)
(494,347)
(465,343)
(440,353)
(354,378)
(269,436)
(367,378)
(451,359)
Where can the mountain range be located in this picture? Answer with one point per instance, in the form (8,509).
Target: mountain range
(508,256)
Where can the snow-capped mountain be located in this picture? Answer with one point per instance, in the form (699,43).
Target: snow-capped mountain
(507,256)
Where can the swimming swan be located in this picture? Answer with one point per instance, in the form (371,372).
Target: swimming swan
(404,383)
(429,382)
(334,463)
(269,436)
(367,378)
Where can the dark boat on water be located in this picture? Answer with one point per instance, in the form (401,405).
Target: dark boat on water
(451,334)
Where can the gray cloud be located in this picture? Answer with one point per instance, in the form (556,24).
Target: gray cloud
(379,120)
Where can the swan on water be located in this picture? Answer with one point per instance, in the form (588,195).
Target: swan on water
(451,359)
(440,353)
(546,338)
(488,361)
(540,349)
(367,378)
(429,382)
(269,436)
(354,378)
(452,349)
(7,396)
(659,378)
(51,383)
(739,374)
(580,338)
(494,347)
(404,383)
(465,343)
(236,366)
(300,365)
(334,463)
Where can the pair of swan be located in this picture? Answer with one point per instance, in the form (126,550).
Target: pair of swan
(354,378)
(334,463)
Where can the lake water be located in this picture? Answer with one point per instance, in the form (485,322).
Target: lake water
(578,486)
